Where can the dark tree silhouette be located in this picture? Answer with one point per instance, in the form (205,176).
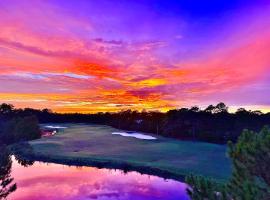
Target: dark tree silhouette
(221,108)
(20,129)
(6,108)
(6,181)
(22,161)
(213,124)
(210,109)
(250,179)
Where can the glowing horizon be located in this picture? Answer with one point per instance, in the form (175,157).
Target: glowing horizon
(98,56)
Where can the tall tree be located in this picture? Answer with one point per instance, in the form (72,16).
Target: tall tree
(6,108)
(6,181)
(221,108)
(250,177)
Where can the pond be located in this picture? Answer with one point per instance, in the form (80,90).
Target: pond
(44,181)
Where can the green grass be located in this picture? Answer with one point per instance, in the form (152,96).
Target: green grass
(82,144)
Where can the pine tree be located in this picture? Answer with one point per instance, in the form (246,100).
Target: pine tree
(6,181)
(250,178)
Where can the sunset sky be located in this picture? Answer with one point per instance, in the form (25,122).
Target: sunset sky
(109,55)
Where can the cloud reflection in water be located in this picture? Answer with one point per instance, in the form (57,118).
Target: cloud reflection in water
(54,181)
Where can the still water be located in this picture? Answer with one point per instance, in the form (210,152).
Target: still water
(54,181)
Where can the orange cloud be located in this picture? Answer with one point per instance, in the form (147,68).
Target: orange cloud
(51,65)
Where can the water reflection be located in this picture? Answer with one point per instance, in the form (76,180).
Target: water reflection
(23,162)
(7,184)
(53,181)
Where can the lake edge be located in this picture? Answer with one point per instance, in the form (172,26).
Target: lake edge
(93,138)
(100,163)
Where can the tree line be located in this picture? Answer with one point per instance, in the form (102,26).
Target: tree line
(250,156)
(17,128)
(212,124)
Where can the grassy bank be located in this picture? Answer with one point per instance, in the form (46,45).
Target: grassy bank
(94,145)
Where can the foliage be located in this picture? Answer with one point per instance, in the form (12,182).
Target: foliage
(205,188)
(6,182)
(6,108)
(213,124)
(250,178)
(19,150)
(21,129)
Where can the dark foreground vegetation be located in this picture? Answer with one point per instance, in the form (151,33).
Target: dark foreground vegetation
(213,124)
(250,179)
(17,128)
(7,184)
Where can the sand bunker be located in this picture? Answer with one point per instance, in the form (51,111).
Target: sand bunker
(135,135)
(55,127)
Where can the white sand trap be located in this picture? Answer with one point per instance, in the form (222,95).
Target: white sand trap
(135,135)
(57,127)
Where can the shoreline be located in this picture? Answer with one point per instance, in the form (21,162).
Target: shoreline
(24,151)
(94,145)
